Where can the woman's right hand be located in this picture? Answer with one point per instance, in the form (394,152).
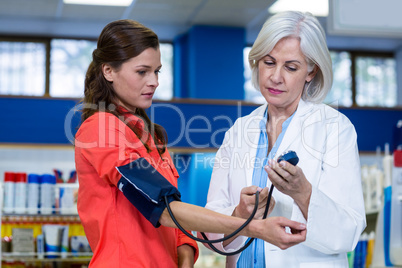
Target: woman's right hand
(247,202)
(273,230)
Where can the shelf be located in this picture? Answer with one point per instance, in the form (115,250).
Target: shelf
(8,258)
(5,217)
(36,222)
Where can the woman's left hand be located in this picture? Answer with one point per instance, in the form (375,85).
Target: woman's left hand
(291,181)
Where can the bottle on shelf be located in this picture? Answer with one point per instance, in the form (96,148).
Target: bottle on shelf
(33,193)
(9,192)
(20,199)
(47,194)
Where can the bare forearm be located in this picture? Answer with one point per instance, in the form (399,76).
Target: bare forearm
(303,201)
(200,219)
(186,256)
(230,240)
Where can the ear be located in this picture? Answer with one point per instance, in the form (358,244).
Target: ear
(312,74)
(107,71)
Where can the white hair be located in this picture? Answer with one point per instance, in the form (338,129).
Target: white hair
(312,44)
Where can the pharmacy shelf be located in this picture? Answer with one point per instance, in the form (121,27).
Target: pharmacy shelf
(67,260)
(9,258)
(6,216)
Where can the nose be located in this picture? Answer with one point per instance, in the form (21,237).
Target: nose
(276,76)
(153,80)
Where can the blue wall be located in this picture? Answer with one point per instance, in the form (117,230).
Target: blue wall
(195,174)
(374,127)
(188,124)
(36,120)
(208,63)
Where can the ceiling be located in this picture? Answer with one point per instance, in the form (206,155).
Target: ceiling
(166,17)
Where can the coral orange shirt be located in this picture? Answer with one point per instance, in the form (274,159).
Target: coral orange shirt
(117,232)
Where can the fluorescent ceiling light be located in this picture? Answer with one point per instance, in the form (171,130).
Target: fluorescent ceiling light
(316,7)
(99,2)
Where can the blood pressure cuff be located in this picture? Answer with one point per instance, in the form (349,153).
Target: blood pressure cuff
(146,188)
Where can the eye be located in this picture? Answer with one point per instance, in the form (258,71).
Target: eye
(269,62)
(157,71)
(141,72)
(291,68)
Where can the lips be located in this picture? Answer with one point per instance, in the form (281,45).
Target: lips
(274,91)
(148,94)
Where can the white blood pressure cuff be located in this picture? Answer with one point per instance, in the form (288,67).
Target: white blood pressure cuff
(146,189)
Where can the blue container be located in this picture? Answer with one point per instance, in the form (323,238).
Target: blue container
(48,194)
(33,191)
(387,225)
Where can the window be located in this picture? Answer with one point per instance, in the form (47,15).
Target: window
(367,79)
(341,91)
(376,81)
(23,68)
(250,92)
(165,88)
(69,60)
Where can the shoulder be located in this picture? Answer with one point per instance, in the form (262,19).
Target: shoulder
(326,112)
(334,114)
(100,122)
(100,119)
(330,117)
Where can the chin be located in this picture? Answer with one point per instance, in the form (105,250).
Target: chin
(273,101)
(145,105)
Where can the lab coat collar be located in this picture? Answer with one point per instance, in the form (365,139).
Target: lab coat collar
(303,108)
(293,131)
(256,116)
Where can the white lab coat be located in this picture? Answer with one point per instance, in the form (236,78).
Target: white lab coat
(325,141)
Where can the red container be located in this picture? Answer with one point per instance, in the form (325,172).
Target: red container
(20,177)
(398,158)
(9,176)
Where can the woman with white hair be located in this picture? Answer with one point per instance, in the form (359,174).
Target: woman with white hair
(292,68)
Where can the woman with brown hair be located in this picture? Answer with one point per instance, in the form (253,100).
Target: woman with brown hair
(117,148)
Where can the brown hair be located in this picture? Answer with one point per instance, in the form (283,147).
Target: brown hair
(118,42)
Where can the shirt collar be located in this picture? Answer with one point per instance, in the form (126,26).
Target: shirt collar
(131,119)
(263,122)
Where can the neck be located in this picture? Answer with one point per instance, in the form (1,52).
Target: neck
(275,118)
(278,113)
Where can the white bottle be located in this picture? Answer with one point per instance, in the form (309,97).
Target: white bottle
(20,200)
(47,194)
(9,192)
(33,193)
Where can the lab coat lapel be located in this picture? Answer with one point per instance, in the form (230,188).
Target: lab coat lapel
(252,148)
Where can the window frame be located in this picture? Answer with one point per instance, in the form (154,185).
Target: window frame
(354,54)
(47,42)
